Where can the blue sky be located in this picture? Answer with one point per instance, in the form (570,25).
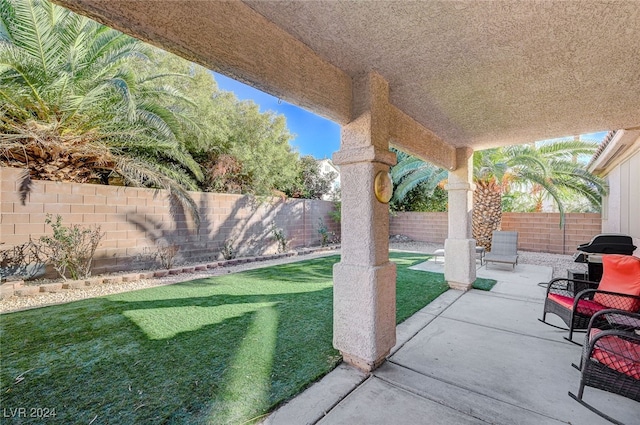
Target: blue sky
(313,135)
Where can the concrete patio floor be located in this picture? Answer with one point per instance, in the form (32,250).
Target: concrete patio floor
(467,358)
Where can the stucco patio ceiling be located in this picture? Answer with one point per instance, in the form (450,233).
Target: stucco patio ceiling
(477,74)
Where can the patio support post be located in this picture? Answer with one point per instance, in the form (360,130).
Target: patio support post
(364,293)
(459,247)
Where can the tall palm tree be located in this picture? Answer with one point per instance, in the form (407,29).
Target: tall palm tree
(75,109)
(548,168)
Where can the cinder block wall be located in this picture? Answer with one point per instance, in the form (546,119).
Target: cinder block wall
(424,227)
(135,220)
(541,232)
(537,232)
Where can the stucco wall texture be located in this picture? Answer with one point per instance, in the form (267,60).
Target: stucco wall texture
(537,232)
(134,220)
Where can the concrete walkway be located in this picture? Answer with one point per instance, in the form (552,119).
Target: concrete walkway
(467,358)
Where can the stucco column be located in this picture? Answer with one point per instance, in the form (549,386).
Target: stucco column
(459,247)
(364,293)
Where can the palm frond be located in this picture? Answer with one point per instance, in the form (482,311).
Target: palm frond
(427,177)
(19,70)
(147,78)
(159,118)
(123,82)
(25,185)
(33,31)
(553,192)
(7,15)
(568,149)
(406,167)
(95,97)
(167,92)
(490,163)
(591,193)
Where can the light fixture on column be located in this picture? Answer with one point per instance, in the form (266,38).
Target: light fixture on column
(383,187)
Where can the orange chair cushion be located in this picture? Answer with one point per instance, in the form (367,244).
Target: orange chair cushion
(618,354)
(621,273)
(586,307)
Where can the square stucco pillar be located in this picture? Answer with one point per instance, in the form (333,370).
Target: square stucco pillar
(364,293)
(459,247)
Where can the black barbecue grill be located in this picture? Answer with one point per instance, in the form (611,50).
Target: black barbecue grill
(591,253)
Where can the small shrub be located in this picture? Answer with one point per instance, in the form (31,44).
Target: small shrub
(228,251)
(280,237)
(166,253)
(323,231)
(163,254)
(71,249)
(142,259)
(336,212)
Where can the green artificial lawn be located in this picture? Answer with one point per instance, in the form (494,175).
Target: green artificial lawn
(219,350)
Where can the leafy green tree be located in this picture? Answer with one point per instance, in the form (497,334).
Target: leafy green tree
(421,200)
(260,143)
(240,149)
(210,134)
(73,109)
(311,182)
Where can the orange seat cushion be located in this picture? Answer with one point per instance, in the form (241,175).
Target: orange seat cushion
(618,354)
(620,273)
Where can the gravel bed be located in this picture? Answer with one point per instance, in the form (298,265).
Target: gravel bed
(15,303)
(559,263)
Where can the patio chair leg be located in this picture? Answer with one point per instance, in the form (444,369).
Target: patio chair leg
(570,339)
(593,409)
(543,320)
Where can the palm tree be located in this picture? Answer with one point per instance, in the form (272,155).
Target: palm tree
(548,168)
(410,173)
(74,109)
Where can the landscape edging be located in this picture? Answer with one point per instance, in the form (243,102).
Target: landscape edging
(18,287)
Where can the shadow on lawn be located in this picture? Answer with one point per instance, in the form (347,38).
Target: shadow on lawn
(95,359)
(216,350)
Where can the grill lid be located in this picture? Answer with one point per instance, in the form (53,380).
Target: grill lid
(609,243)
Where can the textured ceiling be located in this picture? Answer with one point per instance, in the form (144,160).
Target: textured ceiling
(485,73)
(474,73)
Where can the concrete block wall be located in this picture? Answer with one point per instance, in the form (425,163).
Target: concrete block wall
(541,232)
(537,232)
(419,226)
(136,220)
